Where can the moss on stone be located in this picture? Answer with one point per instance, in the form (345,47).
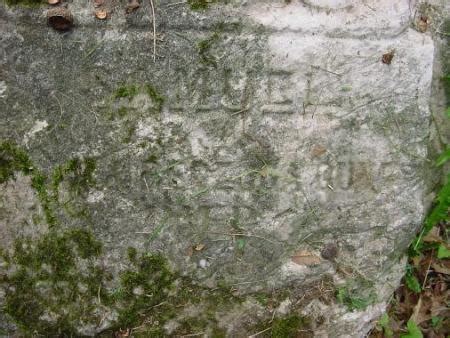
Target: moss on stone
(156,97)
(200,4)
(286,327)
(146,284)
(43,293)
(12,159)
(128,91)
(25,3)
(78,172)
(204,50)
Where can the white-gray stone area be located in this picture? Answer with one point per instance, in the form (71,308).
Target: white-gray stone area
(262,147)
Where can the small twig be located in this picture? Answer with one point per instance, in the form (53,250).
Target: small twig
(326,70)
(154,30)
(241,234)
(98,294)
(193,334)
(258,333)
(177,3)
(250,282)
(240,111)
(428,270)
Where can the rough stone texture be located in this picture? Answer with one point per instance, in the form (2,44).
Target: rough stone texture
(263,132)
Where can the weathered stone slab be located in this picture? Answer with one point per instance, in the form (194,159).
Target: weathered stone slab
(264,136)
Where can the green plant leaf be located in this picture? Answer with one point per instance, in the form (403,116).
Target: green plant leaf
(412,283)
(443,252)
(156,232)
(384,323)
(448,112)
(436,321)
(241,243)
(444,157)
(413,331)
(440,210)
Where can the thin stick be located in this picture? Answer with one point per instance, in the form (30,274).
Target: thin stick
(154,30)
(258,333)
(428,270)
(243,235)
(194,334)
(240,111)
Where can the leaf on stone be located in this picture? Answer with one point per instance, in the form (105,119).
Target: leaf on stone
(101,14)
(443,252)
(98,3)
(387,57)
(241,243)
(199,247)
(304,257)
(132,6)
(318,150)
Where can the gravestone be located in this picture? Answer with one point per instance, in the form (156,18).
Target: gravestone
(215,171)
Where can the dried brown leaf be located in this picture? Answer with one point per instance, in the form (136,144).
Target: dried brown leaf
(318,151)
(101,14)
(132,5)
(304,257)
(199,247)
(440,268)
(387,57)
(433,236)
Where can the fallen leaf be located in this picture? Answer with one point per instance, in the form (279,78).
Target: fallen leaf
(303,257)
(422,24)
(440,269)
(443,252)
(318,150)
(132,6)
(199,247)
(433,236)
(387,57)
(101,14)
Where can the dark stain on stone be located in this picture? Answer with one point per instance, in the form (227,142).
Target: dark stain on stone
(329,251)
(60,18)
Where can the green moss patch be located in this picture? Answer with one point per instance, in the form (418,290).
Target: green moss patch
(156,97)
(287,327)
(52,283)
(146,284)
(12,159)
(126,91)
(200,4)
(26,3)
(204,50)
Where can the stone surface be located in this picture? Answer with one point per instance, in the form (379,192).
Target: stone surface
(262,132)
